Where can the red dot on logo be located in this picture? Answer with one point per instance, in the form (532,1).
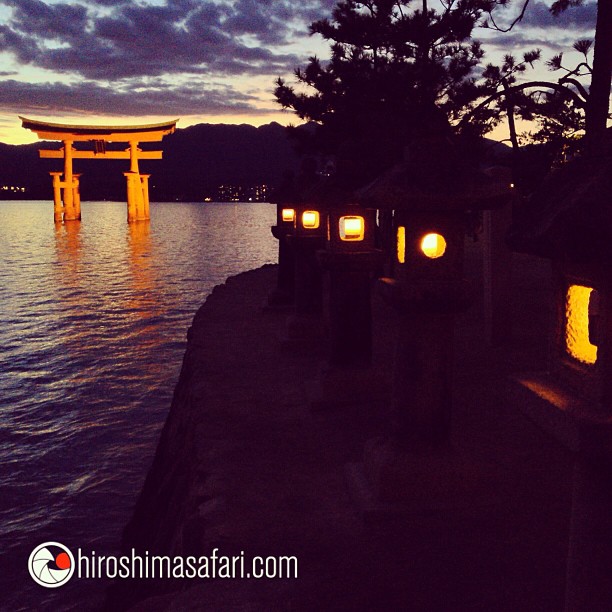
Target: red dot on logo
(62,561)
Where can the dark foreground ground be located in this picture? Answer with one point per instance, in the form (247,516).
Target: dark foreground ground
(245,465)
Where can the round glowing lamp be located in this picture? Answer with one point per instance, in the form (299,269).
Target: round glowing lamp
(433,245)
(311,219)
(352,228)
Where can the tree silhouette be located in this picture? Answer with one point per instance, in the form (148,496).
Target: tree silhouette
(562,108)
(395,73)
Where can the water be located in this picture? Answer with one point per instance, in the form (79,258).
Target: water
(93,318)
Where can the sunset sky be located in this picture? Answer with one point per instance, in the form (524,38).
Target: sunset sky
(112,61)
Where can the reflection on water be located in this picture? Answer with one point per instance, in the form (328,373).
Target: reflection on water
(93,317)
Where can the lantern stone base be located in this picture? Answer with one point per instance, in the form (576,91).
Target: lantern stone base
(396,483)
(548,405)
(585,427)
(337,387)
(278,299)
(303,331)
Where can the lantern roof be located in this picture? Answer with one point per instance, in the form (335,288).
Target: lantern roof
(570,215)
(437,176)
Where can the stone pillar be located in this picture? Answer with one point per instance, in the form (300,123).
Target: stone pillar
(346,378)
(283,294)
(350,316)
(415,465)
(306,324)
(308,279)
(589,565)
(423,365)
(422,379)
(58,208)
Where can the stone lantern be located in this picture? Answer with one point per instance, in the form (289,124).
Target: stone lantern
(308,236)
(300,229)
(570,223)
(431,193)
(350,256)
(282,295)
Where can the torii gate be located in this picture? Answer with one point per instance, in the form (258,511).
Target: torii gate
(69,208)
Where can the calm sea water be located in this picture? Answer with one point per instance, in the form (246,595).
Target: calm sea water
(93,317)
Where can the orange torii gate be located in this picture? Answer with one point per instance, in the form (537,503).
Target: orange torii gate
(68,208)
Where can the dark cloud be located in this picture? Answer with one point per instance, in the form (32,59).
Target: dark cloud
(156,98)
(521,44)
(131,39)
(540,29)
(22,47)
(576,18)
(63,22)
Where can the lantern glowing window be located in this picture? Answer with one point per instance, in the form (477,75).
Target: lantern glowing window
(310,219)
(288,215)
(401,244)
(433,245)
(577,339)
(352,228)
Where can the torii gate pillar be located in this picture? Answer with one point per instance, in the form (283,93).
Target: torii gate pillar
(67,207)
(137,187)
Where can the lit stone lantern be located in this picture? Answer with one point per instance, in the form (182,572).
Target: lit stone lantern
(299,229)
(350,256)
(308,237)
(282,295)
(431,194)
(570,222)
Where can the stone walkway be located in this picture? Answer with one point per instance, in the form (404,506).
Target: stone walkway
(245,465)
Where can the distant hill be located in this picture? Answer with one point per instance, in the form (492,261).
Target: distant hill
(196,161)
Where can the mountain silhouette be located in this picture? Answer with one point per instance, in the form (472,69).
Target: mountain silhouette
(196,161)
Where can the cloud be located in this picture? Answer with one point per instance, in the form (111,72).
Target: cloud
(128,39)
(538,15)
(156,98)
(579,17)
(119,57)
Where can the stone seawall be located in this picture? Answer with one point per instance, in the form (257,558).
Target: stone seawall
(178,499)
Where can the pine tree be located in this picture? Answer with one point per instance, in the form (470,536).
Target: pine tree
(396,72)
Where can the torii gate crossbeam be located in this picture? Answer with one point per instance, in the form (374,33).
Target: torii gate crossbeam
(68,207)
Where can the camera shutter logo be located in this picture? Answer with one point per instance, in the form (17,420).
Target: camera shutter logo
(51,564)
